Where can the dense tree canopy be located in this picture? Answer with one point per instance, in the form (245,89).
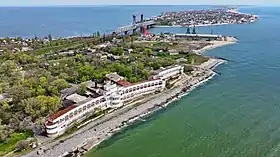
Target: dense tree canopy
(32,81)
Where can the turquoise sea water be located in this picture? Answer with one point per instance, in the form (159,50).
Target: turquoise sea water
(236,114)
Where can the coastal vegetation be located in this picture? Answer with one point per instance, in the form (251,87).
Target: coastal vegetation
(13,143)
(31,81)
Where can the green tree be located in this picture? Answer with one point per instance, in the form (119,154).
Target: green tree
(40,90)
(117,51)
(82,88)
(86,73)
(148,51)
(4,131)
(60,84)
(18,93)
(40,106)
(43,81)
(8,67)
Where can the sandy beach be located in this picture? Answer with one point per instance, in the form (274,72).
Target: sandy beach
(216,44)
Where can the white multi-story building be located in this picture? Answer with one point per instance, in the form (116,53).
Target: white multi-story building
(169,72)
(114,94)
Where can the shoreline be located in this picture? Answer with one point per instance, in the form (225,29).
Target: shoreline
(201,25)
(84,141)
(217,44)
(102,129)
(235,11)
(180,26)
(155,108)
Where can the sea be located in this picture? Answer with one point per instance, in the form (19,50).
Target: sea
(236,114)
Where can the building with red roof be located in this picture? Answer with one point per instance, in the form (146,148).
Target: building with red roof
(114,94)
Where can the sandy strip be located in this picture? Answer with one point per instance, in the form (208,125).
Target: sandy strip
(216,44)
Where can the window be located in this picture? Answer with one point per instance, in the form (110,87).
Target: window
(80,110)
(88,106)
(61,120)
(103,100)
(66,117)
(71,115)
(84,108)
(76,112)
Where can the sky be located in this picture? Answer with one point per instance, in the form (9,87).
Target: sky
(136,2)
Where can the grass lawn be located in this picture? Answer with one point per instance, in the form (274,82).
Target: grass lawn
(10,144)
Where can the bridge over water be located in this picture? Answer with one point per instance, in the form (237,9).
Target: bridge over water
(142,24)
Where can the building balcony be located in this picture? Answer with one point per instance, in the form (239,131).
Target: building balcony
(52,131)
(51,125)
(55,134)
(116,101)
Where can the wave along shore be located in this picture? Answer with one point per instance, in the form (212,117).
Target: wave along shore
(163,101)
(102,130)
(108,125)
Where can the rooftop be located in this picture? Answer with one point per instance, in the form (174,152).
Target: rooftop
(61,112)
(127,84)
(76,98)
(166,68)
(124,83)
(69,91)
(181,60)
(84,101)
(114,77)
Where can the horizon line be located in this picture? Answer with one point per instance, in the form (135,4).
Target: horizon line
(105,5)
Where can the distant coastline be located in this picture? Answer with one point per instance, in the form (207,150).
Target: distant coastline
(252,19)
(179,26)
(181,86)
